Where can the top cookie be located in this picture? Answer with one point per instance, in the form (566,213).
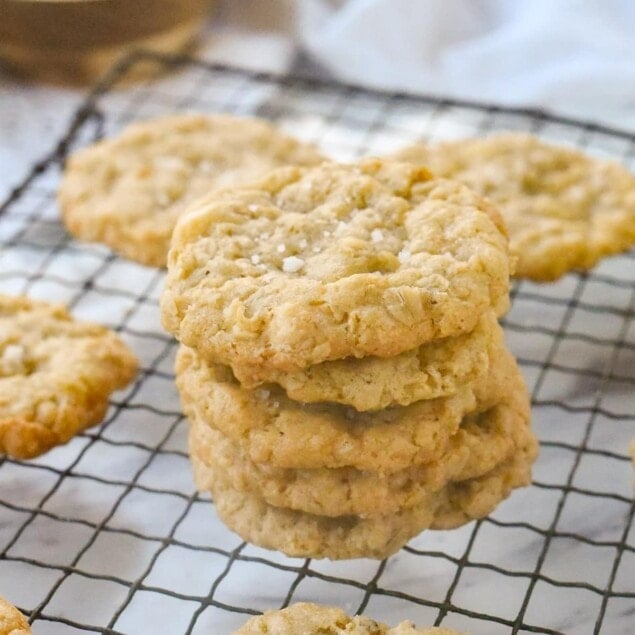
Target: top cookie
(56,375)
(12,622)
(314,264)
(128,192)
(563,209)
(306,618)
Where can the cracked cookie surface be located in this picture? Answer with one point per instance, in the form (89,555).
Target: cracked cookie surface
(56,375)
(305,618)
(274,429)
(128,191)
(564,210)
(315,264)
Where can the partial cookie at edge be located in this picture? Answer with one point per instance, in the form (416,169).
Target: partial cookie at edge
(12,622)
(304,618)
(56,375)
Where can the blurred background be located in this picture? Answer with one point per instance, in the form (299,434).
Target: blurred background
(574,57)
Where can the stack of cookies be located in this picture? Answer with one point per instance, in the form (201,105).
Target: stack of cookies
(341,363)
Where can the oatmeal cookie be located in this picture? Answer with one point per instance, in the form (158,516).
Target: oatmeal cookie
(467,500)
(436,369)
(12,622)
(482,442)
(563,209)
(299,534)
(128,191)
(273,429)
(315,264)
(56,375)
(305,618)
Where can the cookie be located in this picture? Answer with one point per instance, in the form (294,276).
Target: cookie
(56,375)
(563,209)
(128,191)
(303,535)
(305,618)
(436,369)
(314,264)
(12,622)
(482,442)
(466,501)
(273,429)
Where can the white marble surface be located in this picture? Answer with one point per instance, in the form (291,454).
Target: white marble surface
(117,502)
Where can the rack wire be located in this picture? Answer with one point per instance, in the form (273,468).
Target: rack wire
(107,535)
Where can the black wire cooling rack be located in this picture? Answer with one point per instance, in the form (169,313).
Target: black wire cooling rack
(106,534)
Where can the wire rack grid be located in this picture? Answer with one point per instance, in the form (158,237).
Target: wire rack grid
(107,535)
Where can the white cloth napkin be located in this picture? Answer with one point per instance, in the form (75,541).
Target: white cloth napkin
(573,56)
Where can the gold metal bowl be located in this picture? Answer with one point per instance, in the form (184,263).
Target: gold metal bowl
(74,41)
